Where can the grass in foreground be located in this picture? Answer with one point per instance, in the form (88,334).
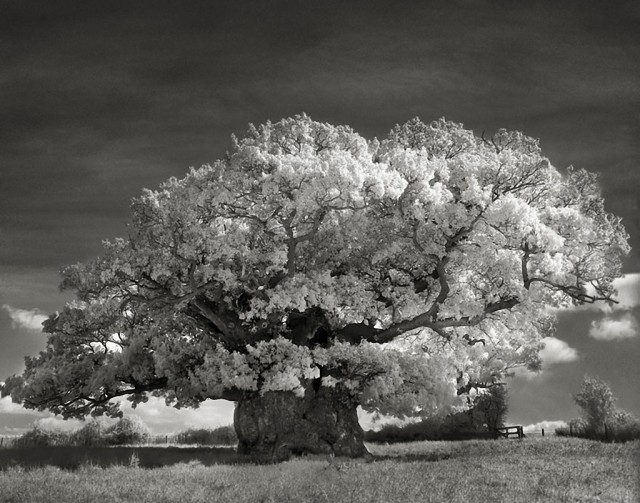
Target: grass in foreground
(551,469)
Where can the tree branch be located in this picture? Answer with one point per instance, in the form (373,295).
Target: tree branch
(576,292)
(425,320)
(234,336)
(573,291)
(90,401)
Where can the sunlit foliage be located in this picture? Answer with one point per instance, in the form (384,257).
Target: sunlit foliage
(405,272)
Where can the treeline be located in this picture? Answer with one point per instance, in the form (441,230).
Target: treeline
(223,435)
(126,431)
(601,419)
(487,413)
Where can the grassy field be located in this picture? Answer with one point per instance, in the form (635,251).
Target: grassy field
(549,469)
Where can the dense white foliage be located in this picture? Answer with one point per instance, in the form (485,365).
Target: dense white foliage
(406,272)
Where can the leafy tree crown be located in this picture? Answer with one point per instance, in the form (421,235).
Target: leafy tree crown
(405,271)
(596,400)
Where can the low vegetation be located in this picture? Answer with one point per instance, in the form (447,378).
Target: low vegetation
(126,431)
(601,419)
(224,435)
(614,431)
(488,412)
(551,469)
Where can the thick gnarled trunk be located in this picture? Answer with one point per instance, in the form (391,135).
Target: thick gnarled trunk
(278,424)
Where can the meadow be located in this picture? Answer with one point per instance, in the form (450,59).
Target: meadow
(548,469)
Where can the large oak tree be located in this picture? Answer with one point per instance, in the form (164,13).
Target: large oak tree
(312,271)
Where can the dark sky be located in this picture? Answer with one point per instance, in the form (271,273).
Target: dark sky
(100,99)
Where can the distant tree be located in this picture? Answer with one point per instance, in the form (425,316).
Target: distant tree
(490,408)
(601,418)
(597,402)
(91,433)
(579,427)
(312,271)
(621,418)
(39,436)
(624,426)
(94,432)
(128,430)
(223,435)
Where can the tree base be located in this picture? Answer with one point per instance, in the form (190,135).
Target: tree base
(279,424)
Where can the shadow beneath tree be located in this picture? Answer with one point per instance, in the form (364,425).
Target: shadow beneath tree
(414,457)
(73,457)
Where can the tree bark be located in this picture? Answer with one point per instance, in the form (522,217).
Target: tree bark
(279,424)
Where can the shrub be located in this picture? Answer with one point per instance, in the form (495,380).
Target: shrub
(38,436)
(490,408)
(128,430)
(92,434)
(625,432)
(487,414)
(622,427)
(192,436)
(224,435)
(596,401)
(601,419)
(455,427)
(577,428)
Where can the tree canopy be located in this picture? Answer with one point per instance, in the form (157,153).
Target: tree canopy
(597,402)
(404,271)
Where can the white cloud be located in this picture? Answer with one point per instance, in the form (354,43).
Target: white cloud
(527,374)
(556,351)
(628,287)
(164,419)
(31,319)
(12,414)
(618,321)
(374,421)
(8,407)
(548,426)
(609,328)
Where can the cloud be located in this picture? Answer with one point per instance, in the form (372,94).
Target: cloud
(556,351)
(617,322)
(628,297)
(374,421)
(549,426)
(609,328)
(8,407)
(30,319)
(164,419)
(628,287)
